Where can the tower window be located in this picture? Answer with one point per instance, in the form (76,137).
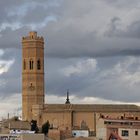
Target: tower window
(125,133)
(31,63)
(24,65)
(38,65)
(136,133)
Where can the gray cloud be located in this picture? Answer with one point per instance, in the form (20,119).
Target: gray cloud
(123,4)
(31,17)
(132,31)
(74,32)
(11,80)
(115,82)
(12,39)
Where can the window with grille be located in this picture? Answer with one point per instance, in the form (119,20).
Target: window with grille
(125,133)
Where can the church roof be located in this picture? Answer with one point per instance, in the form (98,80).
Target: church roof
(92,107)
(16,124)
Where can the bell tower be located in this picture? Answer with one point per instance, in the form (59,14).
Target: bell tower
(32,73)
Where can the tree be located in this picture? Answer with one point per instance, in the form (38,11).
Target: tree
(34,126)
(45,128)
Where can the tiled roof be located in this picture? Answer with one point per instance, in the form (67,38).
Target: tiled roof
(92,107)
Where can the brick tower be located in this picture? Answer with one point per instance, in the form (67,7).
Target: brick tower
(32,74)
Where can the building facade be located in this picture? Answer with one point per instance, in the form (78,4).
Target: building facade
(120,128)
(65,116)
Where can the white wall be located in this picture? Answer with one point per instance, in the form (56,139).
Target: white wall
(132,135)
(78,133)
(101,133)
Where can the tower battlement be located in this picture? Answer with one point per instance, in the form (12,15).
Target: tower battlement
(32,36)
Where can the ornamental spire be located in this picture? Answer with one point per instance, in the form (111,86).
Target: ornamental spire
(67,100)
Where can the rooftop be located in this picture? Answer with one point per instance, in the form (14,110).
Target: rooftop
(92,107)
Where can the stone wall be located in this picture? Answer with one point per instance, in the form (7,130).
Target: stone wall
(54,134)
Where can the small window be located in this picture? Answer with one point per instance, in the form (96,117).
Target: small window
(125,133)
(24,65)
(136,118)
(136,133)
(38,65)
(31,63)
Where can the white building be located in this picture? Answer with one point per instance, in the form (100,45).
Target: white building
(22,137)
(123,128)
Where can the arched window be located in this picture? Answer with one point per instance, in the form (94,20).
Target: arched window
(24,64)
(31,64)
(38,65)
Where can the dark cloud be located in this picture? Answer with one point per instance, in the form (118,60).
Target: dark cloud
(71,44)
(4,9)
(132,31)
(73,33)
(115,82)
(12,39)
(31,17)
(11,80)
(123,3)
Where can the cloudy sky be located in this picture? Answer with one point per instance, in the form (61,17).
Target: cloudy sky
(92,48)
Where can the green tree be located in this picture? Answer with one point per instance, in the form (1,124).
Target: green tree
(34,126)
(45,128)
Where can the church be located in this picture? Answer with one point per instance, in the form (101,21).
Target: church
(65,116)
